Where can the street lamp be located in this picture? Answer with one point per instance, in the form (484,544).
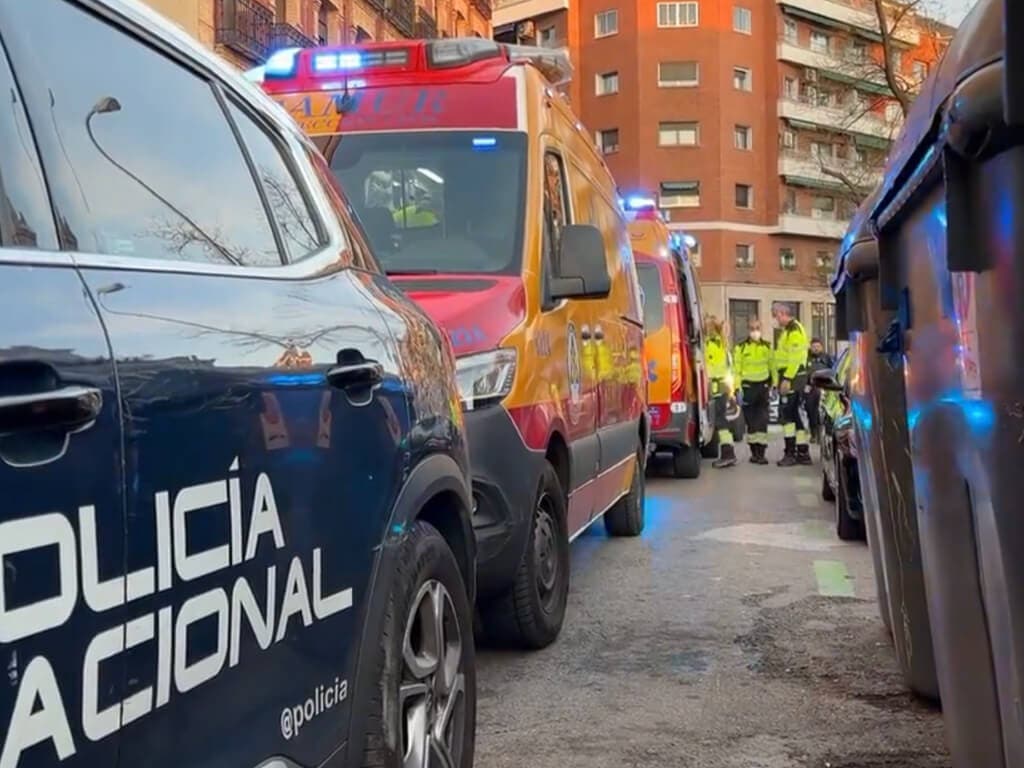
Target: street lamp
(109,104)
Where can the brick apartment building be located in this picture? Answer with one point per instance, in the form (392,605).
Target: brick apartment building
(247,31)
(754,123)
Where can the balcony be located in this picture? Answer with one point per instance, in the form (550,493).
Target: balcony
(819,225)
(287,36)
(513,11)
(426,26)
(380,5)
(402,14)
(847,119)
(861,72)
(804,165)
(845,13)
(244,26)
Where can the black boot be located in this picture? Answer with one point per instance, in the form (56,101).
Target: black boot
(727,458)
(803,454)
(755,451)
(760,457)
(789,458)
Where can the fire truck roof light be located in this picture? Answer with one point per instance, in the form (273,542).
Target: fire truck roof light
(281,63)
(484,142)
(638,203)
(456,51)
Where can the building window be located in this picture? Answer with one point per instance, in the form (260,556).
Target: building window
(606,83)
(678,74)
(678,134)
(741,313)
(744,196)
(743,137)
(789,88)
(820,42)
(920,71)
(789,201)
(790,31)
(789,139)
(787,259)
(548,37)
(823,260)
(897,61)
(322,30)
(742,79)
(823,324)
(744,255)
(823,207)
(608,141)
(677,14)
(606,23)
(679,194)
(694,252)
(858,52)
(742,20)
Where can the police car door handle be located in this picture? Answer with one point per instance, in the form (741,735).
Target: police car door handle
(72,408)
(368,373)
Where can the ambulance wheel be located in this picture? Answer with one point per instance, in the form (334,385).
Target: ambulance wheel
(710,450)
(423,712)
(626,518)
(531,613)
(686,461)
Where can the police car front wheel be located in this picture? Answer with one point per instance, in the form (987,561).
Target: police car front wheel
(426,663)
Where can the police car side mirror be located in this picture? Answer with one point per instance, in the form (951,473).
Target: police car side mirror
(826,379)
(582,269)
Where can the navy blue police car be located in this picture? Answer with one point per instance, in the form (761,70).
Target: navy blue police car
(234,527)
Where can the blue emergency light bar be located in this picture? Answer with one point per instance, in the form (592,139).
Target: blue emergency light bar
(638,203)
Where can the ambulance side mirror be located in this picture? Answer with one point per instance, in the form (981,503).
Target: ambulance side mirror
(582,270)
(826,379)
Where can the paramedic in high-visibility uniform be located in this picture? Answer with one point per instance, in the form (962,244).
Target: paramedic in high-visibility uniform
(717,355)
(790,361)
(755,377)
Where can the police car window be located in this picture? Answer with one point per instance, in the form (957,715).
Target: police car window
(141,159)
(446,202)
(289,207)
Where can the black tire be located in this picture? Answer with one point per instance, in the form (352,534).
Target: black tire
(686,461)
(710,450)
(425,561)
(626,517)
(847,528)
(531,613)
(826,488)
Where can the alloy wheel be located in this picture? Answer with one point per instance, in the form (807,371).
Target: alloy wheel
(432,697)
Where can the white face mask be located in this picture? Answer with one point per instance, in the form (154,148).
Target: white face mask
(755,335)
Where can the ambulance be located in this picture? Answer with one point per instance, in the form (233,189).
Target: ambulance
(487,202)
(678,403)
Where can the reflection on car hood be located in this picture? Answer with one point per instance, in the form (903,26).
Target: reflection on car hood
(476,312)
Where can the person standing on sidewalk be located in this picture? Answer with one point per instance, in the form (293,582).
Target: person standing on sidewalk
(790,361)
(717,355)
(755,377)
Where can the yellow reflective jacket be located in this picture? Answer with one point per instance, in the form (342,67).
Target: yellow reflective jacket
(717,357)
(412,217)
(752,361)
(791,350)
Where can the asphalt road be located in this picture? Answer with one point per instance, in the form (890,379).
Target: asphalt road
(738,632)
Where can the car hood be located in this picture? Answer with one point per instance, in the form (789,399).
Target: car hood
(476,312)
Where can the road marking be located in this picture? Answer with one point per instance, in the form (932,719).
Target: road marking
(833,579)
(808,500)
(808,536)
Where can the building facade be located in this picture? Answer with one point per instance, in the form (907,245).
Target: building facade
(757,125)
(245,32)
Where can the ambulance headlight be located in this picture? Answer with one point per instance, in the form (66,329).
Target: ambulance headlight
(485,378)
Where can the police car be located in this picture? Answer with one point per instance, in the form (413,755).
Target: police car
(235,523)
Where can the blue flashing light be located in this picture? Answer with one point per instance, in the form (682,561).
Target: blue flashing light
(690,240)
(638,203)
(282,63)
(296,379)
(484,142)
(332,62)
(350,60)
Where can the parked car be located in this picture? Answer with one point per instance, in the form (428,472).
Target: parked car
(491,209)
(840,480)
(678,402)
(236,495)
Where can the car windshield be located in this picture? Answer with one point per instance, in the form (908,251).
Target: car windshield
(437,202)
(650,284)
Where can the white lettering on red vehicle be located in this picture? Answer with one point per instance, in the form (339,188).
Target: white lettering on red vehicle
(40,710)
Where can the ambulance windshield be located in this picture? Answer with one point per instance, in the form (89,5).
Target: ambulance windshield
(437,202)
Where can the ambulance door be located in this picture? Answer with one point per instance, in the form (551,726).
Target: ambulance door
(573,322)
(62,518)
(695,333)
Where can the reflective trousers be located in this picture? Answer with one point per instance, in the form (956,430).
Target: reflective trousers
(755,410)
(792,410)
(719,405)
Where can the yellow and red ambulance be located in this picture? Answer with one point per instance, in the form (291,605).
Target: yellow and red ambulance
(486,201)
